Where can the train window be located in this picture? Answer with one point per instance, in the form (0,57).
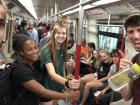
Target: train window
(108,43)
(109,29)
(109,37)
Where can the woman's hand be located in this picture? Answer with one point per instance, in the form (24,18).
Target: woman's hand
(73,95)
(74,84)
(103,91)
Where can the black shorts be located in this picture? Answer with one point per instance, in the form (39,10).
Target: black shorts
(42,99)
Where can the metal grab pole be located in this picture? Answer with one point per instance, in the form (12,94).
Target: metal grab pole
(82,3)
(109,19)
(78,44)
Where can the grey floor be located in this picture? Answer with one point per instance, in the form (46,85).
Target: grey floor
(121,102)
(62,102)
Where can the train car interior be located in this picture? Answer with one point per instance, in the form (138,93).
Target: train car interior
(95,21)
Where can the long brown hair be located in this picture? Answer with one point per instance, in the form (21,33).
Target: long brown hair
(52,46)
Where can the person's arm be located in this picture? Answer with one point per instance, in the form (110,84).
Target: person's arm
(89,60)
(37,88)
(108,75)
(54,76)
(105,89)
(126,92)
(74,84)
(105,78)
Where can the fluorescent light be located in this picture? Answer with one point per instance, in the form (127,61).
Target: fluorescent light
(71,11)
(88,6)
(66,13)
(28,4)
(101,2)
(75,10)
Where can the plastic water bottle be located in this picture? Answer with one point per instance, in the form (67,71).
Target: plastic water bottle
(122,78)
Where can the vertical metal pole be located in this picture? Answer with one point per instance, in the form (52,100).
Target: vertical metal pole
(109,19)
(47,15)
(78,43)
(51,15)
(56,9)
(51,11)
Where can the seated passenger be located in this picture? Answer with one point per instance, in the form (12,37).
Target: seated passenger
(91,48)
(107,95)
(102,76)
(94,61)
(84,50)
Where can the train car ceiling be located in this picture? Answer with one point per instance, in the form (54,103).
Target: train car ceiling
(17,9)
(117,8)
(118,11)
(46,6)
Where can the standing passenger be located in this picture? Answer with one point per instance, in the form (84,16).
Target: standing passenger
(53,56)
(65,20)
(2,30)
(132,26)
(24,28)
(2,21)
(34,33)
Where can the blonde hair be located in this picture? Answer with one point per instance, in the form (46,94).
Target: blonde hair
(106,52)
(52,46)
(65,17)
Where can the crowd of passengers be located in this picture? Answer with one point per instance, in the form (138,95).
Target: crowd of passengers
(44,48)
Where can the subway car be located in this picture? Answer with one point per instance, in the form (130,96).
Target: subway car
(95,24)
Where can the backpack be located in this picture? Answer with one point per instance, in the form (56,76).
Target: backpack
(7,86)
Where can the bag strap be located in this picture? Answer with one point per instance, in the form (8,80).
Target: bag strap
(19,97)
(112,96)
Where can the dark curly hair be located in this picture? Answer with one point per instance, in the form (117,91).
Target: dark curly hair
(132,20)
(18,44)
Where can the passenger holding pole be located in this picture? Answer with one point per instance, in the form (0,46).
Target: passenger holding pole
(52,58)
(132,26)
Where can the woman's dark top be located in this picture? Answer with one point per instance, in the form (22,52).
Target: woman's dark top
(103,71)
(22,73)
(96,65)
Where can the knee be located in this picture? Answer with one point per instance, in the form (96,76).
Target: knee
(88,86)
